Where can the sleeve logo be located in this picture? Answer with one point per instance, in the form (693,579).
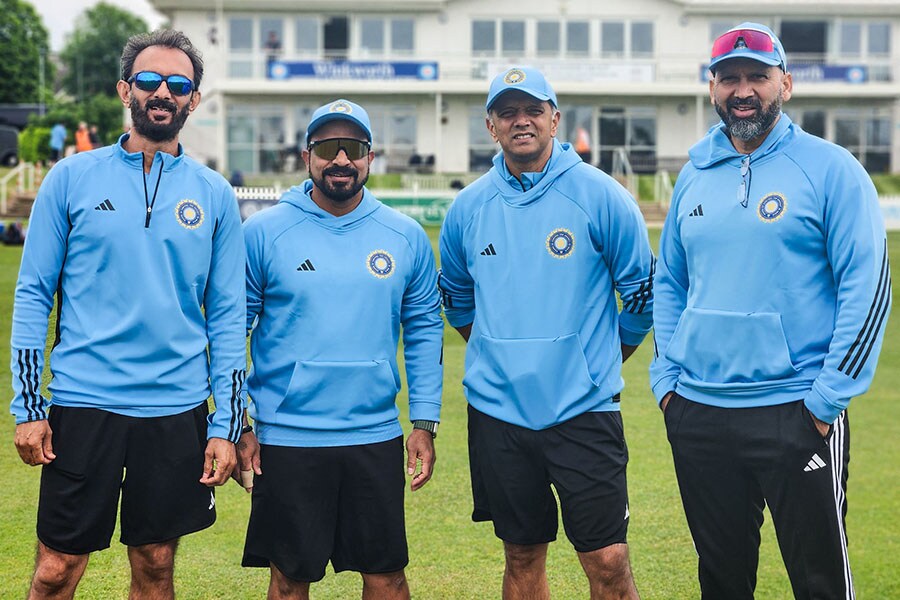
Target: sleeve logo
(380,264)
(772,207)
(561,243)
(189,214)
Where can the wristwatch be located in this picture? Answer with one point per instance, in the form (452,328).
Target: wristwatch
(429,426)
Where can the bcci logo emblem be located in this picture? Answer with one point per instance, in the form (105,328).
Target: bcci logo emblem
(189,214)
(514,76)
(772,207)
(381,264)
(341,107)
(560,243)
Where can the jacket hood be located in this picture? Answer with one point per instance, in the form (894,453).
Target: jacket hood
(716,147)
(561,160)
(299,196)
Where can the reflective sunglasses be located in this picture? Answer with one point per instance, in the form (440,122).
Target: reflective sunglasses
(760,41)
(149,81)
(330,148)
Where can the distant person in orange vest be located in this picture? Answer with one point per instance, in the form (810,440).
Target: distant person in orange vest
(83,138)
(583,144)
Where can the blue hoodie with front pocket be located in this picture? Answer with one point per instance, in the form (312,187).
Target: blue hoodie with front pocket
(535,272)
(327,297)
(777,294)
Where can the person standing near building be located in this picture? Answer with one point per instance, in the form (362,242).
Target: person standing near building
(57,142)
(769,317)
(83,138)
(332,276)
(532,255)
(150,317)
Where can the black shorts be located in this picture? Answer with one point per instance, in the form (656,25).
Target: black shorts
(584,459)
(162,497)
(342,503)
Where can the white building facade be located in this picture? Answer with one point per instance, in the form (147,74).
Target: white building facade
(628,73)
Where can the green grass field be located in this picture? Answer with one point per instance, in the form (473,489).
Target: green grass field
(453,558)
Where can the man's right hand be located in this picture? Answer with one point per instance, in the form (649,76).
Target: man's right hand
(34,442)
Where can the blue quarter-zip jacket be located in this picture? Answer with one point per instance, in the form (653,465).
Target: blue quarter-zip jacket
(141,293)
(328,296)
(783,299)
(536,273)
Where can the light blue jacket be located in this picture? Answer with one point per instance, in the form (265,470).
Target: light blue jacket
(783,299)
(328,296)
(142,295)
(536,273)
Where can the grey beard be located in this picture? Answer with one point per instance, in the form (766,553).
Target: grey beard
(753,127)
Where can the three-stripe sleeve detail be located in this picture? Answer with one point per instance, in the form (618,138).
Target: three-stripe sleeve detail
(861,348)
(446,300)
(638,302)
(29,378)
(237,385)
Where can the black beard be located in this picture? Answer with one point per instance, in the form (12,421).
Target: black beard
(150,129)
(749,128)
(342,194)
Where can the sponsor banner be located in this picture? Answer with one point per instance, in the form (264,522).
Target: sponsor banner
(349,69)
(816,73)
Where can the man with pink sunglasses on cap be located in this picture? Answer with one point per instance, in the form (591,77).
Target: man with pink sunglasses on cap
(769,317)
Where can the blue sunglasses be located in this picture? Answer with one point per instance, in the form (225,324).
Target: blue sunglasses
(149,81)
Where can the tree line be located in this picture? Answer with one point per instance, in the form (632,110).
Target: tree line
(89,64)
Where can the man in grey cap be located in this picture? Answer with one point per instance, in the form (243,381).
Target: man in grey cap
(543,373)
(770,313)
(332,276)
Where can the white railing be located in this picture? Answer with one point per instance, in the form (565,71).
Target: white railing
(623,173)
(662,188)
(26,177)
(436,181)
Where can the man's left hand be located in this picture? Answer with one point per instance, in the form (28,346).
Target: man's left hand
(420,447)
(823,427)
(219,461)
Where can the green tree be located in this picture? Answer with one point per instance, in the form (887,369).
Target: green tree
(24,45)
(92,53)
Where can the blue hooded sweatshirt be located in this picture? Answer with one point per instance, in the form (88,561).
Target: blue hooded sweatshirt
(148,272)
(780,294)
(328,296)
(536,273)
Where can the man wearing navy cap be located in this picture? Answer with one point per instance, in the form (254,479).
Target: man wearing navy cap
(532,255)
(770,312)
(332,275)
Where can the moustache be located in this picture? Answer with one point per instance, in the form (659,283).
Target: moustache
(159,103)
(340,172)
(745,103)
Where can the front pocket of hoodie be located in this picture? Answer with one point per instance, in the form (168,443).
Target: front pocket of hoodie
(716,346)
(334,395)
(540,376)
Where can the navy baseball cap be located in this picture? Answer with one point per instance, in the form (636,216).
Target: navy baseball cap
(749,40)
(525,79)
(340,110)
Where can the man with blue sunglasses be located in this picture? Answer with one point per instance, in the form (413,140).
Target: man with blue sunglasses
(142,247)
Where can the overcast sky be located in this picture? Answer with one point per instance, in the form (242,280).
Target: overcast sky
(59,15)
